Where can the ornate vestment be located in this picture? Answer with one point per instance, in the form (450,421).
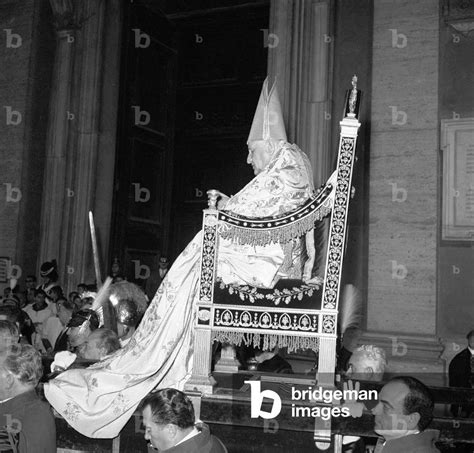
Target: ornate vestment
(99,400)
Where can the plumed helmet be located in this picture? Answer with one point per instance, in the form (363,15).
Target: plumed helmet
(129,301)
(85,318)
(128,313)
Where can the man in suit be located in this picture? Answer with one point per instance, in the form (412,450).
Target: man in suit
(21,410)
(402,414)
(170,425)
(461,374)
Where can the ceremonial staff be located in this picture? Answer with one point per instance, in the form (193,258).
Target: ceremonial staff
(95,250)
(100,305)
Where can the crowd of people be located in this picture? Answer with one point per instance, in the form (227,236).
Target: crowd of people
(402,413)
(45,314)
(68,329)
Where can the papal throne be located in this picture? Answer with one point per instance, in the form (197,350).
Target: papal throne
(293,314)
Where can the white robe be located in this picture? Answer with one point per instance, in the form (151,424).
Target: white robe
(99,400)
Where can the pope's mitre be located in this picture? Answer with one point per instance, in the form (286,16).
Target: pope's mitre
(268,120)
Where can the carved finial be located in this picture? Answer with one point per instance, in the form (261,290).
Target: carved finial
(212,196)
(353,98)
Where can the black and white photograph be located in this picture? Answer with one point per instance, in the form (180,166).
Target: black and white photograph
(237,226)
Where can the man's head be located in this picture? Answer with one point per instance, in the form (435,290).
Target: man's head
(405,404)
(115,268)
(77,301)
(20,370)
(40,297)
(163,263)
(30,295)
(81,288)
(260,154)
(81,325)
(30,281)
(168,417)
(99,344)
(10,313)
(470,339)
(9,334)
(367,363)
(13,301)
(56,292)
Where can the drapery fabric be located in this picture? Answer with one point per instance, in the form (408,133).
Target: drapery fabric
(99,400)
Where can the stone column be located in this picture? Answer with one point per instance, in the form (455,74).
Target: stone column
(84,137)
(54,187)
(84,111)
(300,57)
(401,308)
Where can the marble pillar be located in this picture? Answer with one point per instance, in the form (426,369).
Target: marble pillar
(54,187)
(81,154)
(401,306)
(300,58)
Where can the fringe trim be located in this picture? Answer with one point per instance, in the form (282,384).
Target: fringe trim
(277,235)
(270,341)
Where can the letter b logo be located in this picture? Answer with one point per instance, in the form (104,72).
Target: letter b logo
(256,400)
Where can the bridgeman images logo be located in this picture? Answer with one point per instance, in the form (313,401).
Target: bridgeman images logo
(332,398)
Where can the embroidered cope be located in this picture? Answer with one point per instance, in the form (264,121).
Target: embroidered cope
(99,400)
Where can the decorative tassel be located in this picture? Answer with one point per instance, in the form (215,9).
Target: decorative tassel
(270,341)
(277,235)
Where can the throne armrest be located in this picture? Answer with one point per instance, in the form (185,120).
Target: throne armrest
(281,229)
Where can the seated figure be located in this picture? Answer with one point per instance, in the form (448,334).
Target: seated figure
(99,400)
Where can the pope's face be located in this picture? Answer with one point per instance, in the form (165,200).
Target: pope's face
(259,155)
(390,419)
